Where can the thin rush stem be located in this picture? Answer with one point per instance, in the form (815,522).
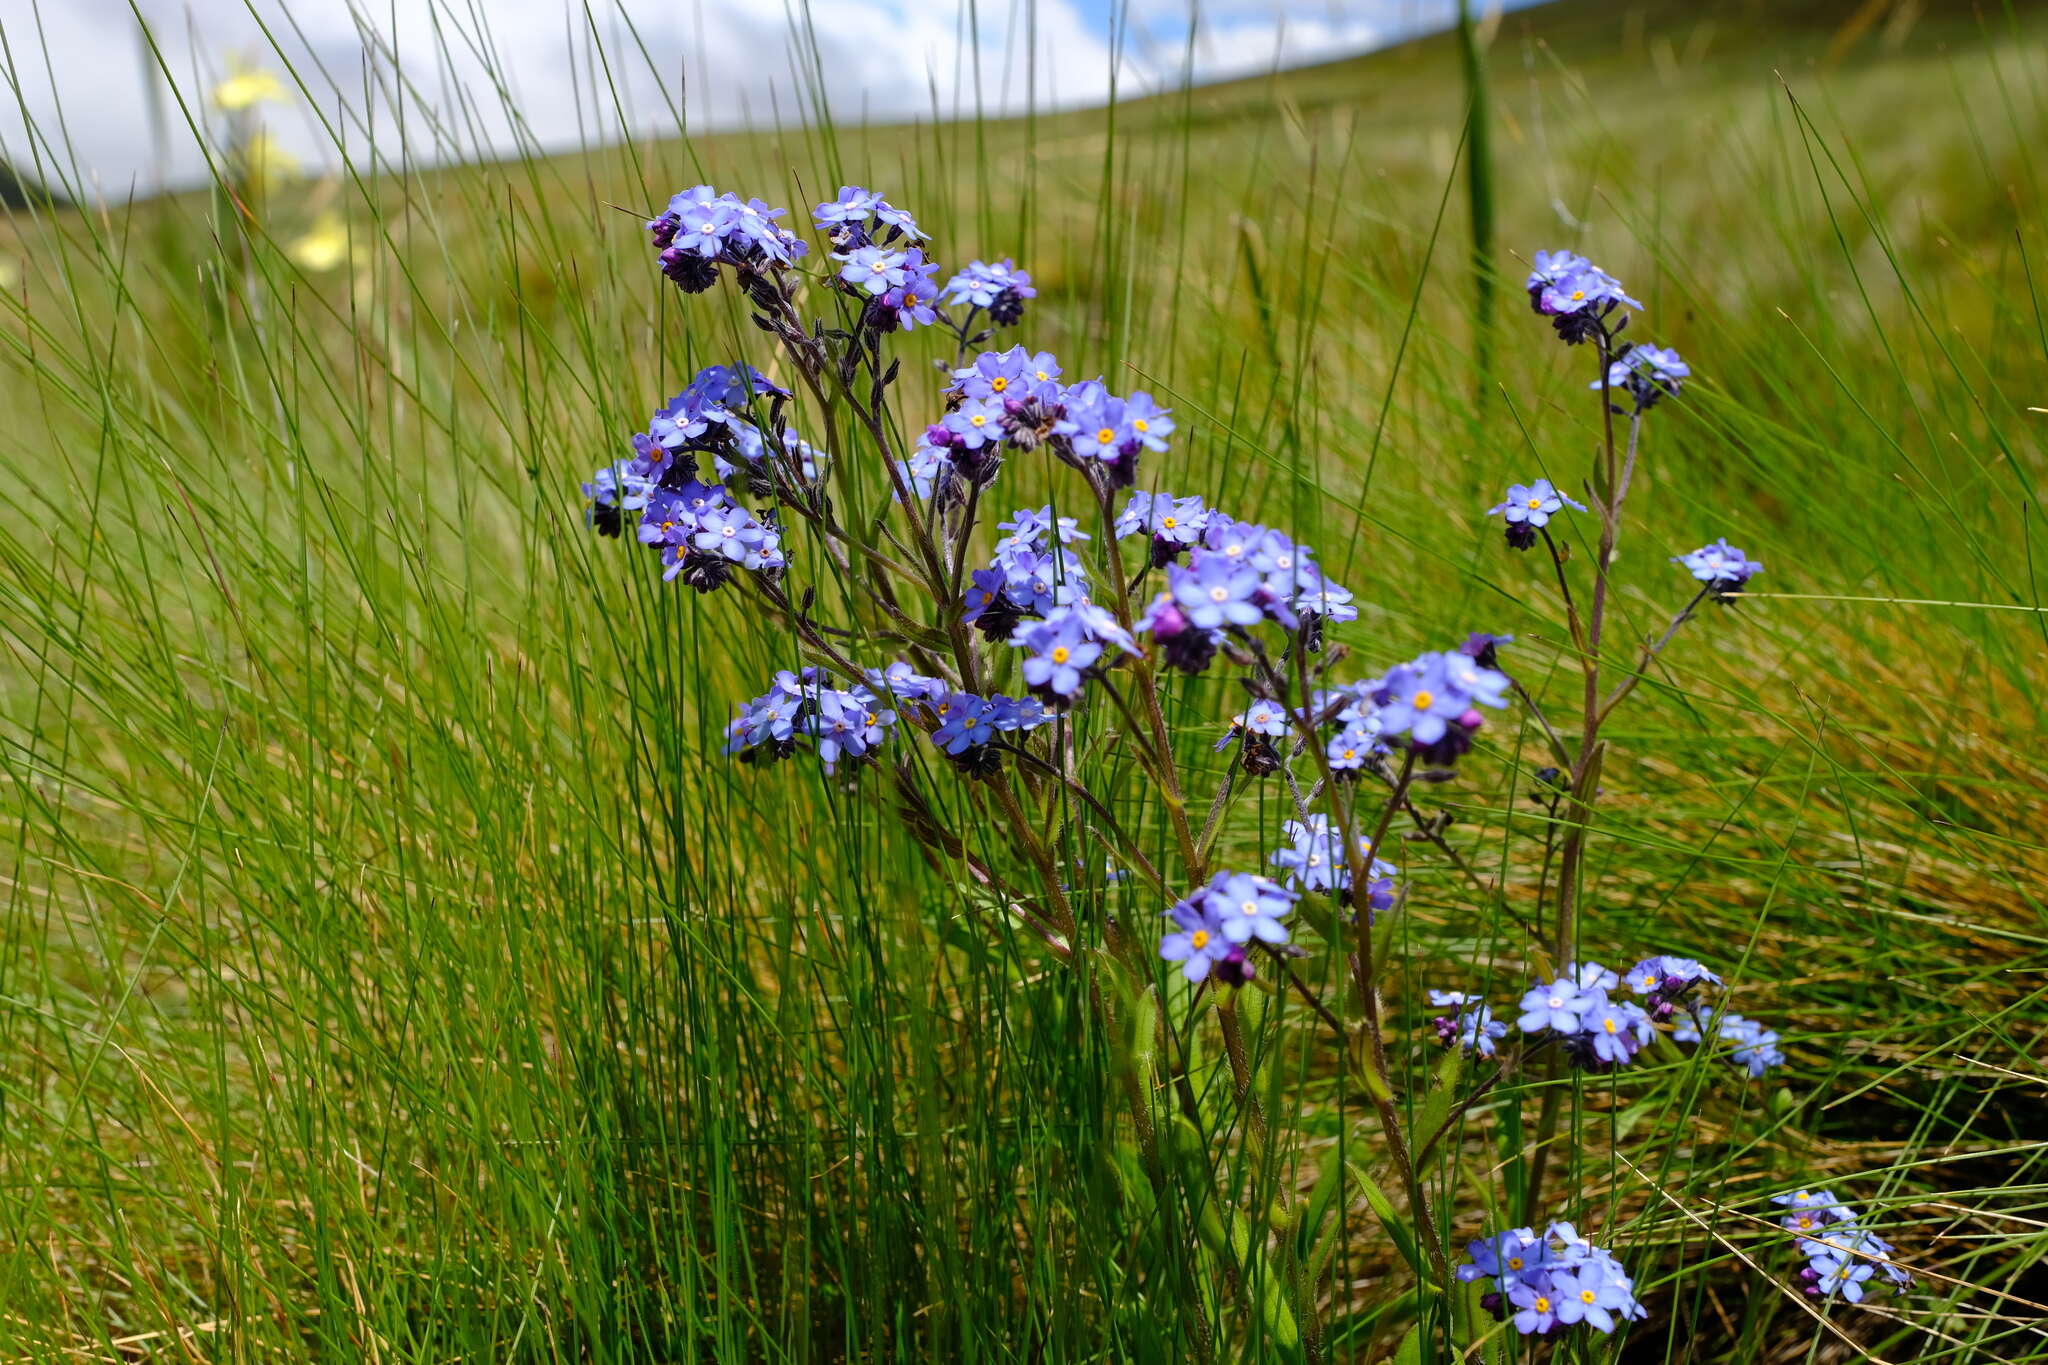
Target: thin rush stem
(1379,1081)
(1148,693)
(1650,653)
(1585,765)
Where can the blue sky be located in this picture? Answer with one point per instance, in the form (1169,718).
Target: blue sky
(887,58)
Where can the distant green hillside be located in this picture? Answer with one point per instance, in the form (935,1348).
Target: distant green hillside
(396,971)
(18,192)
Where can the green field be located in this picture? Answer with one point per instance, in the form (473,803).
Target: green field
(396,971)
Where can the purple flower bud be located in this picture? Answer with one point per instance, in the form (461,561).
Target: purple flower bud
(1168,620)
(1234,970)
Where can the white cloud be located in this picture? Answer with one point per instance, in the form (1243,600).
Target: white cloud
(426,75)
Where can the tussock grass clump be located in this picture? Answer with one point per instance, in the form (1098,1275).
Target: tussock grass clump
(397,970)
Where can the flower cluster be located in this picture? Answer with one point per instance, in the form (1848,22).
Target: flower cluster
(860,218)
(1029,576)
(1015,400)
(1841,1255)
(713,416)
(1215,926)
(702,230)
(1723,568)
(1315,859)
(1751,1046)
(1576,295)
(1432,701)
(1646,374)
(1067,647)
(1470,1025)
(1238,574)
(999,288)
(1597,1031)
(804,708)
(1175,525)
(612,492)
(703,535)
(966,727)
(1555,1280)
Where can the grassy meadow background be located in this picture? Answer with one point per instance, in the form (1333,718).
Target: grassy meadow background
(394,971)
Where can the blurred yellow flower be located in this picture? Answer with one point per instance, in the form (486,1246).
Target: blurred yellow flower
(248,86)
(266,164)
(324,247)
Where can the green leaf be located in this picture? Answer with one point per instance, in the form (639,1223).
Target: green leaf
(1390,1218)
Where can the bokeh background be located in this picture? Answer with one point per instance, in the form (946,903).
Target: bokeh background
(395,971)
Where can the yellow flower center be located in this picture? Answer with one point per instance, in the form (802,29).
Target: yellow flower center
(1169,522)
(1199,939)
(1542,1304)
(1059,654)
(1578,294)
(1805,1221)
(1535,502)
(1043,375)
(1608,1024)
(999,383)
(1140,424)
(1351,753)
(1587,1296)
(978,420)
(1106,435)
(1423,699)
(1514,1263)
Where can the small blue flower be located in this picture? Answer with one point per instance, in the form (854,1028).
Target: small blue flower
(1095,424)
(975,423)
(1250,907)
(1149,423)
(1618,1029)
(1353,747)
(1060,656)
(1176,521)
(1836,1275)
(1197,942)
(1215,593)
(1556,1007)
(1262,718)
(1421,701)
(874,270)
(1722,567)
(980,284)
(853,205)
(702,225)
(1584,291)
(1505,1257)
(1474,1029)
(1536,1307)
(1552,266)
(1668,975)
(1656,365)
(963,723)
(1534,503)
